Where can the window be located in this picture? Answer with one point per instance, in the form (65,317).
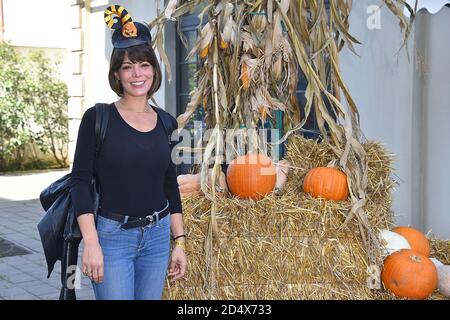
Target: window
(186,80)
(186,69)
(310,130)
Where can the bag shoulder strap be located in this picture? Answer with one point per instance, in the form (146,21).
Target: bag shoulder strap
(101,124)
(166,121)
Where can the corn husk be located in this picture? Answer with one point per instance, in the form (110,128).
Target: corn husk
(269,41)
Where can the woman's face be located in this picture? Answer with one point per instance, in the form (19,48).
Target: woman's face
(136,78)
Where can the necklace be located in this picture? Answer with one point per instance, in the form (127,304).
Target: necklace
(147,110)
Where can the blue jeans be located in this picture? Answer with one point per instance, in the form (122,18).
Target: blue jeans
(135,260)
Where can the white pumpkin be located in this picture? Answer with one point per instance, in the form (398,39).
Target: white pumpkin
(444,280)
(436,262)
(282,170)
(392,242)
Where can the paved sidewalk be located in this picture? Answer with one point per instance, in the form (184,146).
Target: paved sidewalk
(24,277)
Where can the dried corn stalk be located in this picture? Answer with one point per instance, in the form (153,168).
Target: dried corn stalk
(252,52)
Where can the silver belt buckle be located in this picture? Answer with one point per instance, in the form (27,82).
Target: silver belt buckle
(151,218)
(156,214)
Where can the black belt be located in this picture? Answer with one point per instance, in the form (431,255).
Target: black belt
(134,222)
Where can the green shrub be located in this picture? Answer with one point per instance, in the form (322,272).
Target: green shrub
(33,110)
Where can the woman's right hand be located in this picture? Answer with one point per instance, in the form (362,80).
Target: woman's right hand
(93,261)
(92,252)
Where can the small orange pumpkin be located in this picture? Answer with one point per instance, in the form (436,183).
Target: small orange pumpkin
(409,274)
(329,183)
(188,184)
(417,240)
(251,176)
(129,30)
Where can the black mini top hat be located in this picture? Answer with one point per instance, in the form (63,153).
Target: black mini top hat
(126,32)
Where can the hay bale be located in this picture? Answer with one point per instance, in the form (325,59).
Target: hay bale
(289,246)
(440,249)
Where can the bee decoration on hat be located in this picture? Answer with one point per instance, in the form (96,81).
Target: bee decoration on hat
(126,32)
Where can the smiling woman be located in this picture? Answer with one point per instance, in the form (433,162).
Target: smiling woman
(134,65)
(127,249)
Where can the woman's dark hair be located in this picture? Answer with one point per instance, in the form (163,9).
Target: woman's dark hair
(136,54)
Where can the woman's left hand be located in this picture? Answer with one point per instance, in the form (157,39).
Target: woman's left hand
(178,264)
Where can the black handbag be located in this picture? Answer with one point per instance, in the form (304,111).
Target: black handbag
(58,228)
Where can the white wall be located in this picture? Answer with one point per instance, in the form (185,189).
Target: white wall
(395,109)
(434,78)
(381,84)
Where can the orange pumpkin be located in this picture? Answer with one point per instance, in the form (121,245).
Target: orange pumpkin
(417,240)
(409,274)
(251,176)
(129,30)
(328,183)
(188,184)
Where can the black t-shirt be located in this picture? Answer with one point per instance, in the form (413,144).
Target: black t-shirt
(133,168)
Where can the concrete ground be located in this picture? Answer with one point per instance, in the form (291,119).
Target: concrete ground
(24,277)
